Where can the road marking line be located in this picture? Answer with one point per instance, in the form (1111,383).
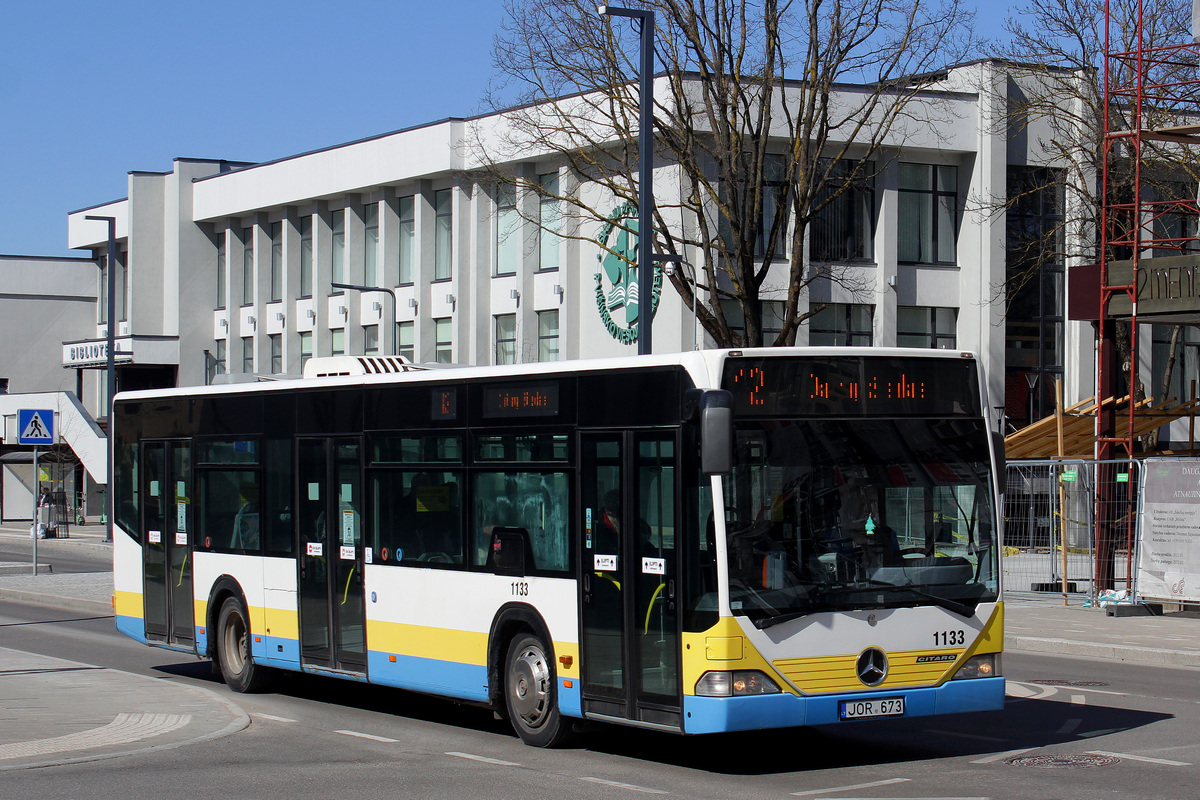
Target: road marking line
(967,736)
(1147,759)
(484,759)
(887,782)
(1001,756)
(1069,726)
(631,787)
(273,718)
(1079,700)
(370,736)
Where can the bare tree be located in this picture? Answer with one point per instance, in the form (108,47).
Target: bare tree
(766,112)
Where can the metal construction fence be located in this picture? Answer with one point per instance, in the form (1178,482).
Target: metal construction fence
(1053,512)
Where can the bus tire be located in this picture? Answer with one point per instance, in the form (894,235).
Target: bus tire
(530,695)
(238,669)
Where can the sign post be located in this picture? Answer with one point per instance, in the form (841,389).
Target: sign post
(35,426)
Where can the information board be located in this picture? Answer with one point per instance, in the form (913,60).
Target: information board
(1168,565)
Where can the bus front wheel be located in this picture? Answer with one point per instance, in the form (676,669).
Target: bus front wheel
(529,693)
(233,649)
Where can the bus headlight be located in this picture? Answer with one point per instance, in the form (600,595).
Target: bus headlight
(741,683)
(986,666)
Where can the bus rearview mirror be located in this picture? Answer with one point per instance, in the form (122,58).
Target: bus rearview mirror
(716,432)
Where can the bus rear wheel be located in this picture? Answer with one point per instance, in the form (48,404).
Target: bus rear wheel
(233,650)
(529,693)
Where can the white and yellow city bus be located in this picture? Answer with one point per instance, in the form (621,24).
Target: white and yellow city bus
(697,543)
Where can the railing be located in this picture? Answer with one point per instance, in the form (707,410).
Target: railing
(1052,512)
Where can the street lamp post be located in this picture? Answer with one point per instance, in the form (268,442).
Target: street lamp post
(645,170)
(391,332)
(110,366)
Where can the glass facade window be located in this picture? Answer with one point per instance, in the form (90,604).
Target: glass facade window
(506,338)
(306,257)
(844,229)
(222,276)
(928,214)
(547,335)
(771,317)
(549,212)
(371,244)
(337,246)
(371,340)
(406,341)
(407,239)
(337,338)
(508,230)
(926,326)
(276,353)
(443,340)
(774,194)
(248,354)
(306,347)
(443,210)
(276,261)
(248,266)
(841,325)
(220,361)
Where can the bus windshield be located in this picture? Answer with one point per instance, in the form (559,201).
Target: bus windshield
(840,514)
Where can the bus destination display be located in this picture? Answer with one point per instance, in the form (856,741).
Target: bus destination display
(871,385)
(540,400)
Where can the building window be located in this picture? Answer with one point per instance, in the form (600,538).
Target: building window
(337,246)
(276,340)
(443,340)
(774,192)
(506,338)
(276,261)
(925,326)
(248,266)
(443,210)
(370,340)
(306,259)
(844,229)
(221,276)
(1186,362)
(548,219)
(338,339)
(220,359)
(842,324)
(547,335)
(770,315)
(928,214)
(407,240)
(248,354)
(371,244)
(405,340)
(306,347)
(508,231)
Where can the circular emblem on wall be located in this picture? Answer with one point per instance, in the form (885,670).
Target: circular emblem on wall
(617,280)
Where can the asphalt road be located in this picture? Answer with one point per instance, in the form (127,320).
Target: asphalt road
(61,556)
(1074,728)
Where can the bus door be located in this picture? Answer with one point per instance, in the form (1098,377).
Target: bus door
(167,543)
(630,628)
(330,554)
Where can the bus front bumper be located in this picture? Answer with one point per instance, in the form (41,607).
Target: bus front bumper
(722,714)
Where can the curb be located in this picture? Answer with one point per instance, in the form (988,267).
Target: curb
(97,607)
(1111,652)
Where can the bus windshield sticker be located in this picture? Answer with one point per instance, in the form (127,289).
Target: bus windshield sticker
(368,555)
(314,549)
(180,490)
(314,491)
(348,526)
(181,537)
(347,493)
(588,529)
(346,553)
(154,488)
(654,566)
(181,516)
(604,563)
(155,537)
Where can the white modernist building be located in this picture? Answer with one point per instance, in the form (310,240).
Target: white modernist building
(226,270)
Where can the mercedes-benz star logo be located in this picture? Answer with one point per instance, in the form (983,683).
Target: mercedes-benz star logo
(872,666)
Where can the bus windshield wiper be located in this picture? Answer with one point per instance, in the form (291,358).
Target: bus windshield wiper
(962,609)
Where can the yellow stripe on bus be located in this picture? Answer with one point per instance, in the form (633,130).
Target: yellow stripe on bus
(128,604)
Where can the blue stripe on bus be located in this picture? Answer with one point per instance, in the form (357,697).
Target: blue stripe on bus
(134,627)
(720,714)
(276,651)
(448,678)
(570,700)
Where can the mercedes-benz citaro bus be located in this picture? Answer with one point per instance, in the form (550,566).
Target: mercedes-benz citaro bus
(700,542)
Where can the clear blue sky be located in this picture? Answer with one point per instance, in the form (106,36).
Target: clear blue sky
(90,91)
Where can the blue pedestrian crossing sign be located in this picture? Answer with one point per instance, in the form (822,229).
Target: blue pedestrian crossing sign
(35,426)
